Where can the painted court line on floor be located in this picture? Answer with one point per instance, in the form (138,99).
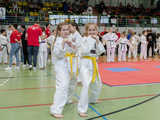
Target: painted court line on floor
(104,99)
(16,89)
(92,108)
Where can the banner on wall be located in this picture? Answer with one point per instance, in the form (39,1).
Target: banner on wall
(56,19)
(154,21)
(104,20)
(2,13)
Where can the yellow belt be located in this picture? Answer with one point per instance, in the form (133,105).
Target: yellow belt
(95,69)
(71,55)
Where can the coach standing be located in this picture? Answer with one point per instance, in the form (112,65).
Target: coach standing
(33,34)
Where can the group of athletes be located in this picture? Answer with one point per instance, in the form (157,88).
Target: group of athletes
(74,56)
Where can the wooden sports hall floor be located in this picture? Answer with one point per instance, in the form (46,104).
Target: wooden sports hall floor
(27,95)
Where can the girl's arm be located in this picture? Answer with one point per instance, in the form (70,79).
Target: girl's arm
(59,50)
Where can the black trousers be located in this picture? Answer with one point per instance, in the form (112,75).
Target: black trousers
(25,53)
(150,45)
(32,55)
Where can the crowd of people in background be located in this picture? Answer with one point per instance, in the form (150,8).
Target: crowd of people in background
(34,44)
(22,7)
(16,10)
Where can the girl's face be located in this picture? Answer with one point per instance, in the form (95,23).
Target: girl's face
(92,30)
(72,28)
(145,33)
(64,31)
(122,35)
(4,33)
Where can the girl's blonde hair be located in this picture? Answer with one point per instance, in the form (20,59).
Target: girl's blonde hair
(59,28)
(87,28)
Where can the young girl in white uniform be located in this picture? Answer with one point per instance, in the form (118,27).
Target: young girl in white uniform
(133,48)
(4,47)
(143,40)
(43,51)
(123,42)
(110,39)
(50,41)
(158,44)
(91,48)
(65,65)
(76,36)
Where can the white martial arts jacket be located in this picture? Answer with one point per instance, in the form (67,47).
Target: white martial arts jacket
(88,59)
(65,57)
(143,39)
(3,40)
(110,39)
(76,39)
(123,42)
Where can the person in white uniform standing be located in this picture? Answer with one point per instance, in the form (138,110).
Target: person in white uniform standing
(91,48)
(143,40)
(4,47)
(50,41)
(158,44)
(65,66)
(76,36)
(123,42)
(110,39)
(43,50)
(133,48)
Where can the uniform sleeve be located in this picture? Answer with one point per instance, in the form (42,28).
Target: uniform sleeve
(115,37)
(118,42)
(59,51)
(78,43)
(0,40)
(100,49)
(50,39)
(104,39)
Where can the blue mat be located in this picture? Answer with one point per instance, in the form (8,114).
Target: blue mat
(158,66)
(123,69)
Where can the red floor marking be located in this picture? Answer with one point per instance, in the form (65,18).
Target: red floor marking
(24,106)
(121,98)
(25,89)
(104,99)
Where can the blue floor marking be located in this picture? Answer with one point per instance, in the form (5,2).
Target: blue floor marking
(93,109)
(122,69)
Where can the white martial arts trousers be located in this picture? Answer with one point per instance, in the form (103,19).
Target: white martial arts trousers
(143,54)
(86,72)
(122,52)
(4,55)
(43,54)
(110,51)
(65,84)
(133,51)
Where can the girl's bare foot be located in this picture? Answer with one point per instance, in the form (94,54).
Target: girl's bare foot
(83,114)
(57,115)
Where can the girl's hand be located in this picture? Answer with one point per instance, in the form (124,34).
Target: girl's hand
(73,40)
(70,44)
(96,38)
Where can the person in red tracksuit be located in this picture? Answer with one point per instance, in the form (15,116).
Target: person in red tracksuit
(15,40)
(33,34)
(47,31)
